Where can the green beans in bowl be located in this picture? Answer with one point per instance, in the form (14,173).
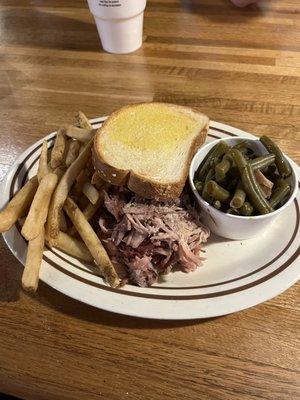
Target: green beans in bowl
(241,185)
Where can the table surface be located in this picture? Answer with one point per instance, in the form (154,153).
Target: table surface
(240,67)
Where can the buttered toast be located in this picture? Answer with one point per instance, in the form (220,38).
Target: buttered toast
(148,147)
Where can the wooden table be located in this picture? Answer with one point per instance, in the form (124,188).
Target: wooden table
(239,66)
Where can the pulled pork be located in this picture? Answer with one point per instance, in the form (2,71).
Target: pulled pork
(151,238)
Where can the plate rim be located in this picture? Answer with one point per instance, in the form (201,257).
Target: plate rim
(226,129)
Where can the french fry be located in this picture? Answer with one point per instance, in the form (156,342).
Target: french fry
(38,212)
(90,167)
(90,192)
(83,135)
(63,226)
(89,211)
(92,242)
(43,168)
(81,179)
(59,172)
(30,277)
(58,151)
(73,152)
(74,247)
(82,121)
(19,205)
(63,188)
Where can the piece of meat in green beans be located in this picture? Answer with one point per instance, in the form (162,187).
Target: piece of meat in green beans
(217,192)
(283,165)
(250,184)
(218,151)
(262,161)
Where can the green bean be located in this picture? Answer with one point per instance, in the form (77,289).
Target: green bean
(199,186)
(221,169)
(280,182)
(262,161)
(283,165)
(232,211)
(210,175)
(246,209)
(203,162)
(254,191)
(243,150)
(238,198)
(228,157)
(217,204)
(217,192)
(279,195)
(218,151)
(250,185)
(205,194)
(238,158)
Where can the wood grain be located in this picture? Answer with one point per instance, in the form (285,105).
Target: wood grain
(239,66)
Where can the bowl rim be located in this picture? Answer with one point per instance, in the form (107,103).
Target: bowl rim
(240,217)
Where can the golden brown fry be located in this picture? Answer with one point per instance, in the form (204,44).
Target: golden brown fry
(38,212)
(19,205)
(92,242)
(43,162)
(63,188)
(97,180)
(83,135)
(74,247)
(34,257)
(89,211)
(81,179)
(82,121)
(73,152)
(90,192)
(59,172)
(90,167)
(58,151)
(63,222)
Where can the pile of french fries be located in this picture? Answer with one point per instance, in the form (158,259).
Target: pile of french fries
(58,204)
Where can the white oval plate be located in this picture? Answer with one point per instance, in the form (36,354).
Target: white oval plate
(235,276)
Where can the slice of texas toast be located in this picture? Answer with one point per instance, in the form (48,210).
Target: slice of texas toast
(148,147)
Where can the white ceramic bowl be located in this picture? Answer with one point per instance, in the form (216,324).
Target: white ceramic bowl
(235,226)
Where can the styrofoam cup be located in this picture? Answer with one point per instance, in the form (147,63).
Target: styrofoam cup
(121,35)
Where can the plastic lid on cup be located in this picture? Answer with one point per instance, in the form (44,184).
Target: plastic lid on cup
(121,36)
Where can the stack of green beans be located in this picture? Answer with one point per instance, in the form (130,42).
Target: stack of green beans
(227,180)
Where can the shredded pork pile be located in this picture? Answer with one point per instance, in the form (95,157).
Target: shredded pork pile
(150,238)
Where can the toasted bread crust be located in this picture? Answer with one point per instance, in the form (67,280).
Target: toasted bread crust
(141,185)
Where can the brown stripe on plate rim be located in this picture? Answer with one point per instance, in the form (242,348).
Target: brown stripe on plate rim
(164,297)
(187,297)
(261,268)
